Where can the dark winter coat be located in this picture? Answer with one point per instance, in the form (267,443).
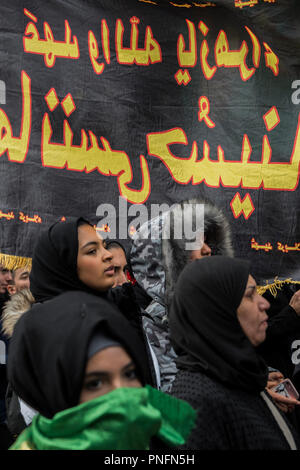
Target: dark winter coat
(221,374)
(228,419)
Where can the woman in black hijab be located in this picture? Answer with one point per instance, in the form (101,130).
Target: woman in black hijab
(72,256)
(64,254)
(217,320)
(78,362)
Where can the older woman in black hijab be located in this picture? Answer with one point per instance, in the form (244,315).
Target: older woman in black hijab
(217,320)
(72,256)
(78,362)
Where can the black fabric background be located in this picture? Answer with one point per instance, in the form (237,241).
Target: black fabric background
(126,102)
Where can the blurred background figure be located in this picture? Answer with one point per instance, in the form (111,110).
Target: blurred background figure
(119,261)
(5,280)
(19,280)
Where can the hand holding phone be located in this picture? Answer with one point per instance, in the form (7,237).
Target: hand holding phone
(286,389)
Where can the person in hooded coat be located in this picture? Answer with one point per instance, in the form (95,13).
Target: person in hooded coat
(217,321)
(157,258)
(80,364)
(72,256)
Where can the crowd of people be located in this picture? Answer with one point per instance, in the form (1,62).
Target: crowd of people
(159,347)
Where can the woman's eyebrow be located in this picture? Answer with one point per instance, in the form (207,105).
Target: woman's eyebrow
(128,366)
(96,373)
(251,287)
(90,243)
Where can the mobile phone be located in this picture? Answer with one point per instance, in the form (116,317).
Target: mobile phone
(286,389)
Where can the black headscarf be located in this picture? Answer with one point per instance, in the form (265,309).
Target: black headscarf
(54,263)
(205,330)
(49,348)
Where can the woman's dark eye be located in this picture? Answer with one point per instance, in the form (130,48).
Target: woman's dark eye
(93,384)
(131,374)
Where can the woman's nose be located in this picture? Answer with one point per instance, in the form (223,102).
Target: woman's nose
(264,303)
(205,250)
(118,382)
(107,254)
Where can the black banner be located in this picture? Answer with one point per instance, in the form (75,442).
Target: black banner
(153,102)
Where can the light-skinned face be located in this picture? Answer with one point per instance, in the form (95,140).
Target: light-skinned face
(20,281)
(21,278)
(5,279)
(94,262)
(119,262)
(252,314)
(205,250)
(107,370)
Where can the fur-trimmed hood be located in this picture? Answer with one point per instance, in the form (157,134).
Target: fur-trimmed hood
(14,309)
(175,252)
(158,261)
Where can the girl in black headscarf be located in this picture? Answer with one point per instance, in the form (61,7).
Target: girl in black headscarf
(72,256)
(217,319)
(79,363)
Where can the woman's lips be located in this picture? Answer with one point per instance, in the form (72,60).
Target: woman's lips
(110,270)
(265,322)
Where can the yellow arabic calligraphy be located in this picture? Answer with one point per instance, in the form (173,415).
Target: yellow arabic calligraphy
(224,57)
(230,173)
(204,51)
(203,114)
(90,156)
(203,5)
(25,218)
(241,4)
(148,1)
(227,58)
(94,50)
(271,59)
(187,58)
(17,147)
(285,248)
(151,53)
(48,47)
(8,216)
(87,158)
(185,5)
(256,47)
(267,247)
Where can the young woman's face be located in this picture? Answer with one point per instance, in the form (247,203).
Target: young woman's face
(94,262)
(106,371)
(252,315)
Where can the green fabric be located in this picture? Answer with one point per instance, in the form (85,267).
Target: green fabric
(124,419)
